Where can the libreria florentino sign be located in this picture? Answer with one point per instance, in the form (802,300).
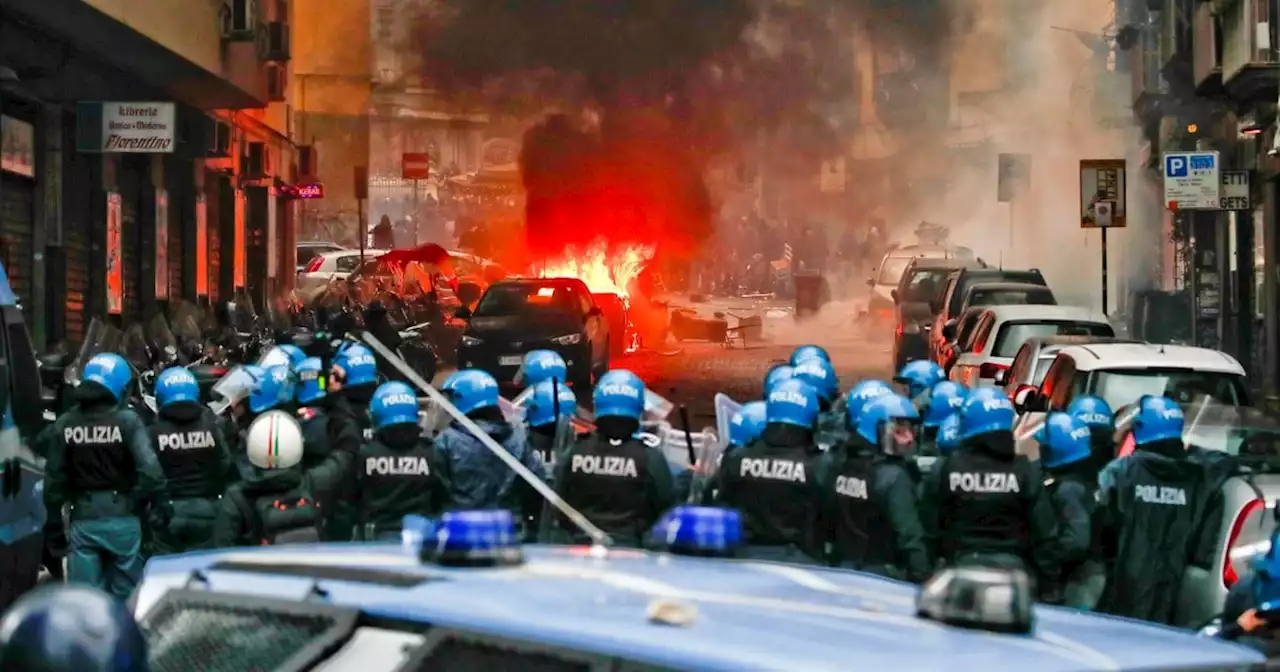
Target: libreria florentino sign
(140,128)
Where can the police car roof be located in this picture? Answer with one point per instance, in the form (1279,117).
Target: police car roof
(749,615)
(1095,356)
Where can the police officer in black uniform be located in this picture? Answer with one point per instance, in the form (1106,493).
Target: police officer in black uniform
(352,381)
(993,507)
(399,472)
(195,459)
(775,481)
(617,481)
(872,514)
(1150,507)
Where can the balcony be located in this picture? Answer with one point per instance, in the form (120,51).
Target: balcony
(1207,52)
(1249,65)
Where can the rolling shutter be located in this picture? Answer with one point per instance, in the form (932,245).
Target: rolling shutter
(77,213)
(17,208)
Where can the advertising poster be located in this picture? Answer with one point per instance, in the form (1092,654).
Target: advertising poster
(115,250)
(239,240)
(162,244)
(202,246)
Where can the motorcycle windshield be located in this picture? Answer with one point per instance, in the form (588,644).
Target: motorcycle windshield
(100,337)
(134,347)
(245,315)
(232,389)
(185,324)
(278,316)
(162,337)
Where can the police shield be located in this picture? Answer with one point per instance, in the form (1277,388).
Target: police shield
(581,423)
(232,389)
(726,408)
(1024,433)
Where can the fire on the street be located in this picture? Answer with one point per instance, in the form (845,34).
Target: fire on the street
(604,270)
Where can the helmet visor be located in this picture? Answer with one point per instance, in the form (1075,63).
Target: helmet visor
(899,436)
(234,387)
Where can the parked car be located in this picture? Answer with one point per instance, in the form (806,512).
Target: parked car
(950,303)
(887,275)
(517,315)
(921,283)
(1008,294)
(310,249)
(1034,357)
(959,336)
(1002,330)
(328,267)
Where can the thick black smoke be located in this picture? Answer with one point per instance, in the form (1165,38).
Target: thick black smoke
(653,91)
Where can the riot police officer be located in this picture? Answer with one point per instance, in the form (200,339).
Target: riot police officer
(1249,615)
(621,484)
(101,463)
(1065,456)
(805,353)
(195,459)
(551,404)
(1096,414)
(353,378)
(59,628)
(1150,505)
(747,425)
(871,508)
(821,376)
(778,374)
(990,504)
(480,479)
(540,366)
(859,396)
(774,482)
(399,472)
(311,412)
(944,400)
(919,377)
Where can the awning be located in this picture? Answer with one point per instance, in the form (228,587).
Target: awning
(98,38)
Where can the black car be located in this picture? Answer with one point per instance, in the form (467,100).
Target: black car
(922,281)
(521,314)
(950,303)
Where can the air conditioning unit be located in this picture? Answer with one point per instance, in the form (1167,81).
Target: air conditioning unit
(277,82)
(257,162)
(239,20)
(277,42)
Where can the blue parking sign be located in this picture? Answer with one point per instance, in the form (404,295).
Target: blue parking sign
(1175,166)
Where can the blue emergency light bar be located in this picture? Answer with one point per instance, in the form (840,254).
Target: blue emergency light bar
(705,531)
(481,538)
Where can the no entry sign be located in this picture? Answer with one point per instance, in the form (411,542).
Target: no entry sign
(415,166)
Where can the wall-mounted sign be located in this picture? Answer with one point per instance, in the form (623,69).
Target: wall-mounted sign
(238,245)
(1102,181)
(305,191)
(115,255)
(162,244)
(17,147)
(137,128)
(202,246)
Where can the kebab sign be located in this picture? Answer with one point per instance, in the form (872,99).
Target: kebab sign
(125,128)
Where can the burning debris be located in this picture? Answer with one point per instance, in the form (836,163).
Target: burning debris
(604,270)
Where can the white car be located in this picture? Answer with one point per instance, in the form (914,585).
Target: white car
(330,266)
(1120,373)
(894,264)
(1002,330)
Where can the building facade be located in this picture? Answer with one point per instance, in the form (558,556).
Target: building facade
(147,157)
(1204,77)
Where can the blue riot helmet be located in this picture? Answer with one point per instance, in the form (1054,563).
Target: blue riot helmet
(807,352)
(778,374)
(276,388)
(110,371)
(1063,440)
(1092,412)
(619,393)
(355,365)
(393,404)
(451,381)
(547,398)
(985,412)
(70,628)
(308,372)
(945,399)
(176,385)
(949,435)
(860,395)
(919,377)
(288,355)
(473,390)
(792,402)
(1266,577)
(1157,419)
(540,365)
(889,422)
(747,424)
(821,376)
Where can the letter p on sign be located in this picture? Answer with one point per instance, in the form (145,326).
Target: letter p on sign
(1175,166)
